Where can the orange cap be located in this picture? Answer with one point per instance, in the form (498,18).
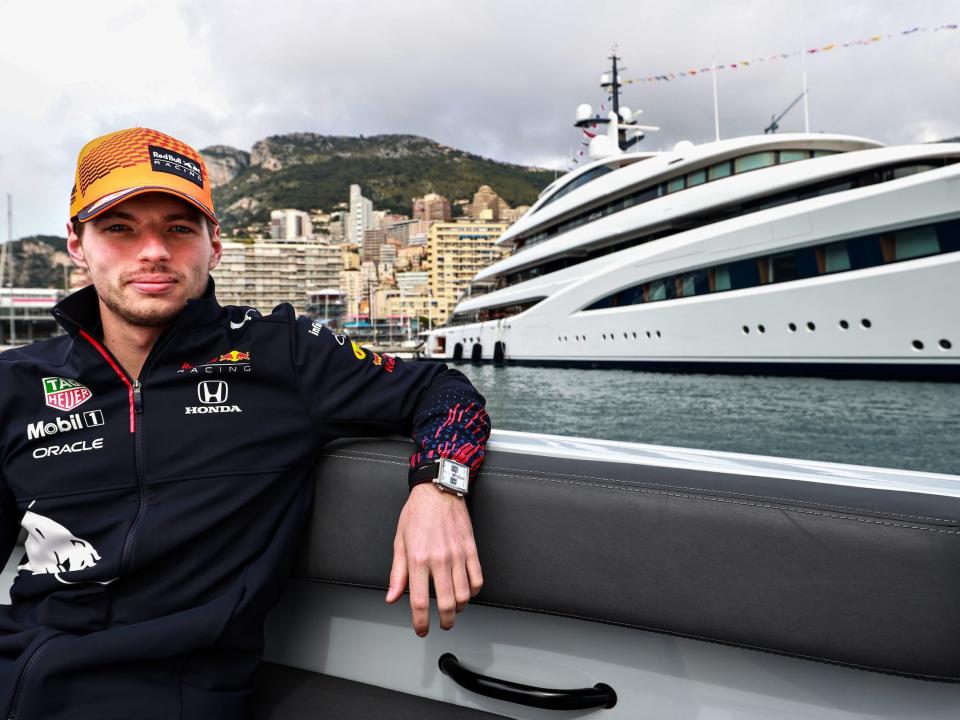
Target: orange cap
(125,163)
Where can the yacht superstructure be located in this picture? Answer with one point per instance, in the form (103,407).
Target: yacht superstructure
(790,254)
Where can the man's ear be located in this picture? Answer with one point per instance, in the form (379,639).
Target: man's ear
(217,246)
(75,248)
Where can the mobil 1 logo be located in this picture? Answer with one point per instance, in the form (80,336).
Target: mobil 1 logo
(63,424)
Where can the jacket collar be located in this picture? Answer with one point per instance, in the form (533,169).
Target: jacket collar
(81,310)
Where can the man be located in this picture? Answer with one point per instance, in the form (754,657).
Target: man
(159,457)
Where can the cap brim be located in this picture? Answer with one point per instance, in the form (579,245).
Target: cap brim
(105,203)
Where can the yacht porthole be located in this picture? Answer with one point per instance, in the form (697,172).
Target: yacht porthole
(604,336)
(658,333)
(844,324)
(625,336)
(648,333)
(811,327)
(793,327)
(917,345)
(746,330)
(634,336)
(945,344)
(761,328)
(865,323)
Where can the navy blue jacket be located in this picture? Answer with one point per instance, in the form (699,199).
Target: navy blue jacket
(163,514)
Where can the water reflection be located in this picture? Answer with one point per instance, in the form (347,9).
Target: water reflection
(907,425)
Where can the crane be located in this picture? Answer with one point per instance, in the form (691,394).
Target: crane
(775,121)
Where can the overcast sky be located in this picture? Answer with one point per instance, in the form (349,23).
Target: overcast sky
(500,78)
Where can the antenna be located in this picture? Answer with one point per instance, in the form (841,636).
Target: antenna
(619,121)
(6,247)
(775,120)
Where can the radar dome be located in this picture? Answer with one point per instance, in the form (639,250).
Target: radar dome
(584,112)
(683,146)
(602,146)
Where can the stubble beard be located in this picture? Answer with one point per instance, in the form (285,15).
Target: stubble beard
(159,311)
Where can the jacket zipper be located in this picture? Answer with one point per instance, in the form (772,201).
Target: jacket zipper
(135,394)
(18,689)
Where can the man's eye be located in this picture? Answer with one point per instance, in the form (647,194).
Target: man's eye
(182,229)
(116,228)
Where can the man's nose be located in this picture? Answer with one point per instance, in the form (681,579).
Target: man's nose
(153,245)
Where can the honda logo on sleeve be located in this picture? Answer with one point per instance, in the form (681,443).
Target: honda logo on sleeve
(213,395)
(212,392)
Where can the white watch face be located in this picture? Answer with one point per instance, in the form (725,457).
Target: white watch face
(454,476)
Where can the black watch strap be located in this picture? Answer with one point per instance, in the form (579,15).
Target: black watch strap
(424,472)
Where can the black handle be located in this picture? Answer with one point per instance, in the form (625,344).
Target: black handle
(599,696)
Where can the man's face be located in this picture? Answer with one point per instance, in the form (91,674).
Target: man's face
(147,256)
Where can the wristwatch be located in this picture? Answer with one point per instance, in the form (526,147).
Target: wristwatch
(447,475)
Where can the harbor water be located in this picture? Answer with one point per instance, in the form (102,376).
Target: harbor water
(907,425)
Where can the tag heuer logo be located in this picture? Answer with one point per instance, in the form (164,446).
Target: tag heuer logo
(63,394)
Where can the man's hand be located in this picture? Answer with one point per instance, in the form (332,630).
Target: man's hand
(434,540)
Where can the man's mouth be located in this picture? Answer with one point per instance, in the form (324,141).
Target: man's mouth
(153,284)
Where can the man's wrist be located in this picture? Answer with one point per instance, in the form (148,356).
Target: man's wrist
(446,474)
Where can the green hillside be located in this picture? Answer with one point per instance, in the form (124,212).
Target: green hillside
(314,172)
(39,261)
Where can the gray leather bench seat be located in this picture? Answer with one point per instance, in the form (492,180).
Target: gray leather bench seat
(285,693)
(827,571)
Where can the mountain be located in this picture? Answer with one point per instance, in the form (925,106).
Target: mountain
(307,171)
(39,261)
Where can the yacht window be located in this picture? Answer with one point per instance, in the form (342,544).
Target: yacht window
(907,170)
(823,153)
(916,243)
(631,296)
(851,254)
(588,176)
(754,161)
(787,156)
(720,170)
(806,262)
(861,178)
(949,235)
(867,251)
(836,258)
(697,177)
(782,267)
(675,184)
(721,278)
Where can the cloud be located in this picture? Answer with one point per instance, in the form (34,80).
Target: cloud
(499,78)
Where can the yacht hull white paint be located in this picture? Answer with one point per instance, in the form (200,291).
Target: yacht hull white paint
(890,311)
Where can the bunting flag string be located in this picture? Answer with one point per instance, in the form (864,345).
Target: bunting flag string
(872,40)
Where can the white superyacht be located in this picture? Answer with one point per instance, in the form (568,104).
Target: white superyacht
(801,253)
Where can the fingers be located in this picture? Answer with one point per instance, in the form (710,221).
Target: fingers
(398,571)
(420,597)
(461,586)
(474,573)
(446,599)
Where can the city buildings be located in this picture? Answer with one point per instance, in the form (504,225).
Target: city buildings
(290,225)
(487,205)
(456,251)
(265,273)
(360,217)
(371,270)
(431,207)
